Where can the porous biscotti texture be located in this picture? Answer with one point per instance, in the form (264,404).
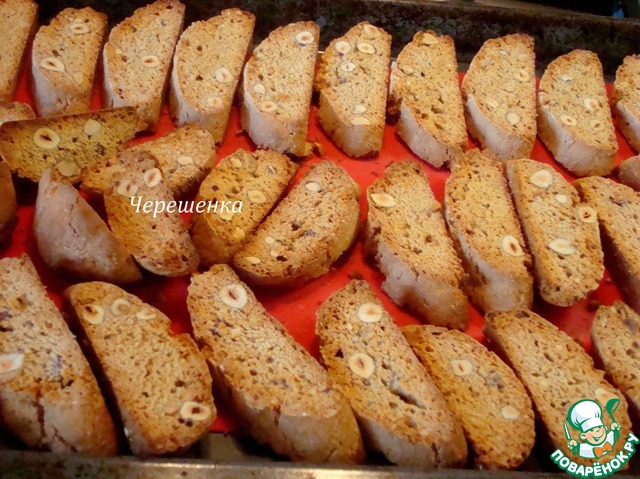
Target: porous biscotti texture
(561,231)
(400,410)
(64,59)
(159,380)
(277,86)
(8,204)
(487,233)
(278,392)
(574,119)
(482,391)
(499,94)
(258,180)
(16,111)
(629,172)
(556,372)
(408,238)
(49,397)
(137,58)
(206,68)
(424,93)
(625,101)
(310,228)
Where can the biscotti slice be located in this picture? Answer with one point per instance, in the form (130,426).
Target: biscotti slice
(64,59)
(279,393)
(465,371)
(424,92)
(258,180)
(206,68)
(408,238)
(310,228)
(276,88)
(556,372)
(68,143)
(16,111)
(159,380)
(629,172)
(574,119)
(49,397)
(400,410)
(137,58)
(499,93)
(625,101)
(561,231)
(8,204)
(487,233)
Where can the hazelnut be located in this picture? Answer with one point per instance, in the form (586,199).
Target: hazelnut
(11,362)
(185,160)
(370,313)
(46,138)
(461,367)
(367,48)
(269,240)
(563,199)
(359,109)
(234,295)
(68,168)
(491,103)
(362,365)
(252,260)
(370,31)
(429,39)
(268,106)
(568,120)
(542,179)
(259,89)
(256,196)
(226,215)
(223,75)
(79,27)
(277,250)
(509,412)
(194,411)
(567,79)
(145,314)
(511,246)
(304,38)
(360,120)
(512,117)
(214,102)
(150,61)
(127,188)
(503,52)
(152,177)
(238,234)
(522,75)
(347,66)
(313,186)
(235,162)
(343,47)
(120,307)
(587,214)
(92,314)
(52,64)
(590,104)
(562,246)
(383,199)
(406,69)
(92,127)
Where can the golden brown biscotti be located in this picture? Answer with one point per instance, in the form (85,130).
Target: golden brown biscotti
(629,172)
(407,236)
(49,397)
(16,111)
(281,395)
(400,410)
(159,380)
(625,101)
(8,204)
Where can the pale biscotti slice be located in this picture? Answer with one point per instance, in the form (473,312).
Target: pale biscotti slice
(8,204)
(49,397)
(310,228)
(160,381)
(279,393)
(258,180)
(487,233)
(574,118)
(625,101)
(561,231)
(68,143)
(400,410)
(137,58)
(465,371)
(556,373)
(206,68)
(499,93)
(277,86)
(64,59)
(629,172)
(16,111)
(408,238)
(424,92)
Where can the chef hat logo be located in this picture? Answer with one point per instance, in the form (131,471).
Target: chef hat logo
(585,415)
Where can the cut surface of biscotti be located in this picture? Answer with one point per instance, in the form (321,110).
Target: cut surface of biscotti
(258,180)
(480,389)
(16,111)
(137,58)
(49,397)
(67,144)
(64,59)
(282,396)
(561,231)
(8,204)
(160,381)
(487,233)
(425,94)
(277,86)
(629,172)
(625,101)
(407,236)
(499,95)
(310,228)
(206,68)
(556,372)
(574,118)
(400,410)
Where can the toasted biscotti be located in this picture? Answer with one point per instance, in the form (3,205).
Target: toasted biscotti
(159,380)
(574,119)
(16,111)
(487,233)
(625,100)
(206,68)
(464,370)
(64,59)
(278,392)
(561,231)
(499,95)
(310,228)
(424,93)
(556,372)
(629,172)
(68,143)
(353,79)
(400,410)
(258,180)
(277,86)
(8,204)
(49,397)
(137,58)
(408,239)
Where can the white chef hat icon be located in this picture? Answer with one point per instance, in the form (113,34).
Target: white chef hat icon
(585,415)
